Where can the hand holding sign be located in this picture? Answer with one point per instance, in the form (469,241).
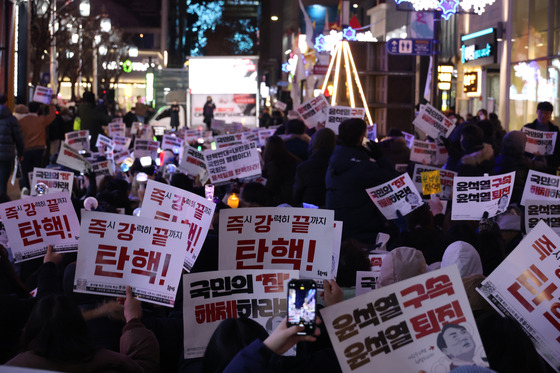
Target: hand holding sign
(132,306)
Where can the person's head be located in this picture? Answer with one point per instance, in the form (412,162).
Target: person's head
(34,107)
(21,109)
(514,142)
(465,256)
(253,195)
(395,132)
(471,138)
(482,114)
(352,131)
(324,139)
(274,148)
(88,97)
(3,99)
(544,112)
(182,181)
(230,337)
(209,98)
(400,264)
(295,126)
(57,331)
(456,342)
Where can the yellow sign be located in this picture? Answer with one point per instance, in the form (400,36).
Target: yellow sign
(431,183)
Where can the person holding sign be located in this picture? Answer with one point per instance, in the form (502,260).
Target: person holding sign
(352,170)
(543,123)
(56,338)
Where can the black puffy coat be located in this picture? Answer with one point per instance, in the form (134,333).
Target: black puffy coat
(10,135)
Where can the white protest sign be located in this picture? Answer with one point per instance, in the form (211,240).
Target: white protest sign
(314,111)
(424,152)
(525,288)
(104,142)
(338,114)
(42,95)
(218,124)
(168,203)
(442,155)
(547,211)
(473,195)
(264,134)
(69,157)
(34,223)
(173,143)
(277,237)
(192,162)
(146,148)
(372,132)
(446,178)
(223,141)
(397,194)
(57,181)
(236,161)
(409,138)
(116,129)
(397,327)
(78,140)
(210,297)
(540,142)
(119,250)
(251,136)
(102,169)
(121,143)
(541,186)
(281,105)
(433,122)
(367,280)
(337,242)
(143,132)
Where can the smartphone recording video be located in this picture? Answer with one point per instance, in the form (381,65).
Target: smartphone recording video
(301,305)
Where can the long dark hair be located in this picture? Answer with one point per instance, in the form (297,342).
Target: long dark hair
(230,337)
(56,330)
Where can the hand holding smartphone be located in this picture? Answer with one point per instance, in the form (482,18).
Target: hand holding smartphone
(302,300)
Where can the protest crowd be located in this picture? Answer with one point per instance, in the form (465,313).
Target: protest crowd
(95,277)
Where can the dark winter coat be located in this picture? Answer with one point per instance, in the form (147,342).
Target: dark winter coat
(309,186)
(10,135)
(351,171)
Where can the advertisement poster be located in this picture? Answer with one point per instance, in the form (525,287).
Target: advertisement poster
(525,286)
(399,327)
(473,195)
(211,297)
(277,238)
(34,223)
(168,203)
(397,194)
(229,108)
(116,251)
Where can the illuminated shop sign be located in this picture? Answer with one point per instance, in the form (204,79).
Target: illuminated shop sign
(471,83)
(478,46)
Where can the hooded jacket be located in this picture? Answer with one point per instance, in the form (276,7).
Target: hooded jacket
(465,256)
(10,135)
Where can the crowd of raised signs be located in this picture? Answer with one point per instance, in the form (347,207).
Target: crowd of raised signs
(156,250)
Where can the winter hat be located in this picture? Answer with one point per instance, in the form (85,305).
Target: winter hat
(514,141)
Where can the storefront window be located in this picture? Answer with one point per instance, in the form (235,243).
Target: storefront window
(520,32)
(556,10)
(531,83)
(538,28)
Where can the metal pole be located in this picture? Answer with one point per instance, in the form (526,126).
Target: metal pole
(94,82)
(435,58)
